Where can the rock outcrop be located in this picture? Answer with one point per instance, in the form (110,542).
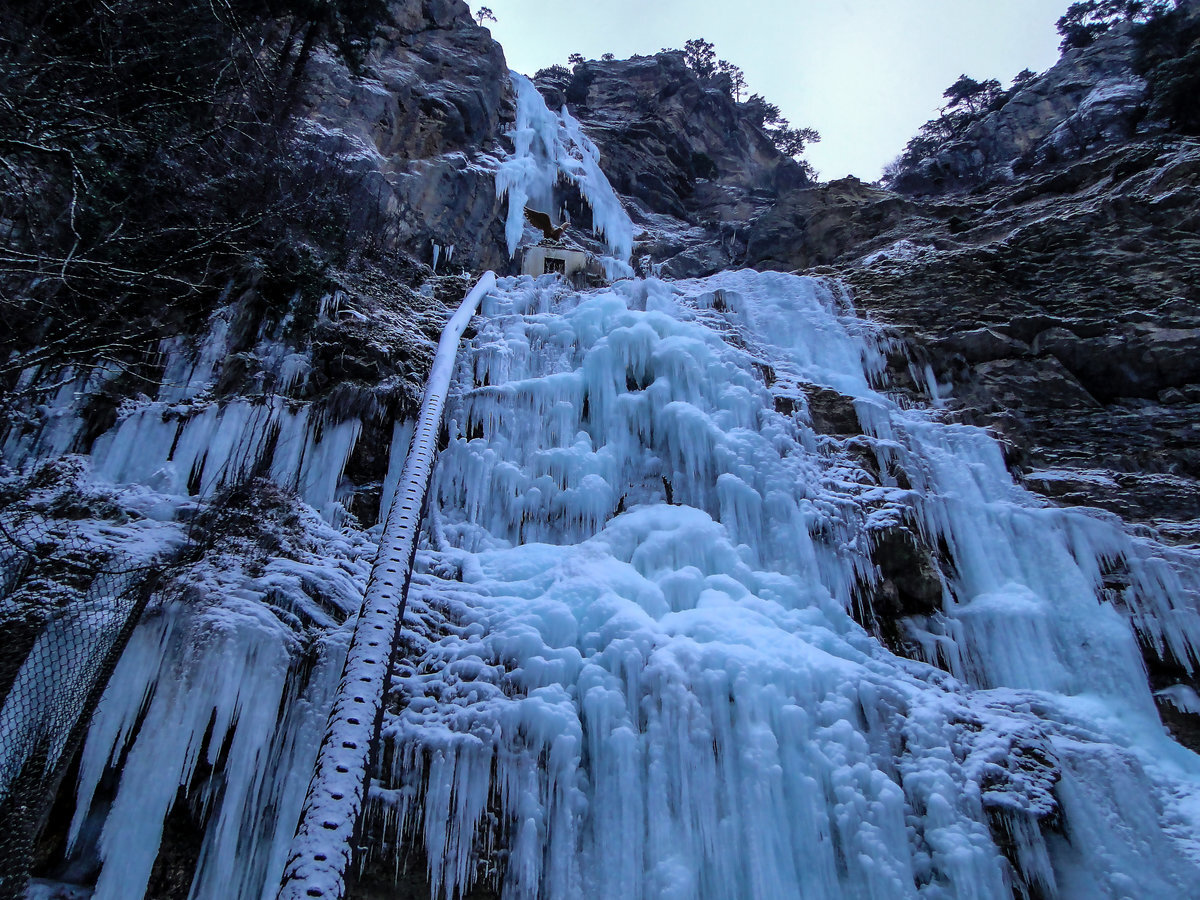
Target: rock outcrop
(690,161)
(418,135)
(1063,311)
(676,144)
(1094,97)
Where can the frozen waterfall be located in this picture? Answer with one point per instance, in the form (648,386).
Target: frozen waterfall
(649,651)
(548,149)
(633,666)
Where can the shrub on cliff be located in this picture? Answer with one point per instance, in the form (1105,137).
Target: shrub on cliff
(147,158)
(701,57)
(1169,58)
(1086,20)
(967,101)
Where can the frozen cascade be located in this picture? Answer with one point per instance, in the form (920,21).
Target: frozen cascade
(220,699)
(632,668)
(199,448)
(551,148)
(217,703)
(185,441)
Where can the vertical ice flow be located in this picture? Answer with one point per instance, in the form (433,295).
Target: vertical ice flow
(218,702)
(632,662)
(550,148)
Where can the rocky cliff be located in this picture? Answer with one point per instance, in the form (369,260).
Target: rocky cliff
(1057,304)
(691,163)
(1037,277)
(420,132)
(1044,264)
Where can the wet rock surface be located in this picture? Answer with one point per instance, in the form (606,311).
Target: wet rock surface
(910,584)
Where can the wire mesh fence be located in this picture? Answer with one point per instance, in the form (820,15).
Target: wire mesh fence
(68,603)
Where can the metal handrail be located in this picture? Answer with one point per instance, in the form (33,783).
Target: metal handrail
(323,848)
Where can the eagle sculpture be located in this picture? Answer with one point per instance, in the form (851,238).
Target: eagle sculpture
(541,220)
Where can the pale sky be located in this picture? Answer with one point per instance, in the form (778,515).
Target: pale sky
(865,73)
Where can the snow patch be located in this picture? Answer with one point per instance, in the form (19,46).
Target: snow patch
(901,251)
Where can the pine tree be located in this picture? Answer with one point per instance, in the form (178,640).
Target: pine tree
(1086,20)
(701,55)
(737,78)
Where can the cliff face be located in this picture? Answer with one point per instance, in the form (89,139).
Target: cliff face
(1093,97)
(1063,311)
(1038,278)
(404,152)
(674,144)
(1097,96)
(692,165)
(419,134)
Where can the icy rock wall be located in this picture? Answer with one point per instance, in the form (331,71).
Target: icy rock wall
(219,703)
(217,706)
(196,760)
(550,148)
(199,449)
(632,668)
(186,441)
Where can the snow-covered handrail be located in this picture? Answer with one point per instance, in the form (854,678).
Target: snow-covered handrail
(322,849)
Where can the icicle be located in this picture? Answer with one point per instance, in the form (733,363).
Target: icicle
(202,684)
(222,443)
(649,657)
(550,148)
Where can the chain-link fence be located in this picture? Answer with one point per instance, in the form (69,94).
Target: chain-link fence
(68,603)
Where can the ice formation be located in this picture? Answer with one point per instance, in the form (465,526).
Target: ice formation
(551,148)
(201,447)
(219,701)
(201,689)
(637,660)
(217,704)
(632,666)
(185,441)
